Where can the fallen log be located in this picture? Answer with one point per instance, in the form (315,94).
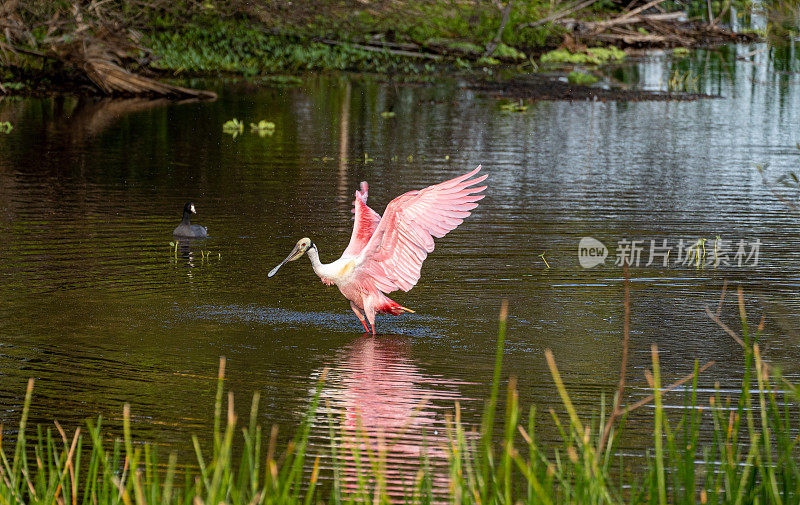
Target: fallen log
(642,18)
(115,80)
(631,38)
(85,45)
(630,14)
(657,29)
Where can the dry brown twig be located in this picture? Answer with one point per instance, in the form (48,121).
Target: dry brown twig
(742,314)
(560,14)
(601,26)
(491,46)
(617,410)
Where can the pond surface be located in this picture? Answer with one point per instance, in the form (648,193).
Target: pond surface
(101,311)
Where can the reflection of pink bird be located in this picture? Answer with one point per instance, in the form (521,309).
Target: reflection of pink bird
(386,253)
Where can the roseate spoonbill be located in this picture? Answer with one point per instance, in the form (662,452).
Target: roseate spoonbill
(386,254)
(186,229)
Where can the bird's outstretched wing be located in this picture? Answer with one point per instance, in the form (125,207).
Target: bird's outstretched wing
(393,257)
(366,221)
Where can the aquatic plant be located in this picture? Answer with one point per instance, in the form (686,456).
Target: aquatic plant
(544,259)
(516,106)
(206,256)
(281,80)
(262,125)
(263,128)
(683,81)
(233,127)
(488,60)
(581,78)
(13,86)
(592,56)
(788,179)
(6,127)
(503,51)
(750,456)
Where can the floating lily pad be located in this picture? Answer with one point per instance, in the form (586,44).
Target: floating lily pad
(262,125)
(581,78)
(263,128)
(233,127)
(514,107)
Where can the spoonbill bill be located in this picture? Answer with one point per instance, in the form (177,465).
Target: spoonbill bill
(386,253)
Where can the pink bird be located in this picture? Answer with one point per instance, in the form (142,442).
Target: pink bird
(386,254)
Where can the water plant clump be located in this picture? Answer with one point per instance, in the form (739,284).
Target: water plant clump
(263,128)
(233,127)
(515,106)
(591,56)
(581,78)
(750,457)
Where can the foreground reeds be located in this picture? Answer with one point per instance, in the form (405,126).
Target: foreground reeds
(751,457)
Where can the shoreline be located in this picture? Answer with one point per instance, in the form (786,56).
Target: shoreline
(131,62)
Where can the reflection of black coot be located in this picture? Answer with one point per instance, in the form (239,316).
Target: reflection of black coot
(186,229)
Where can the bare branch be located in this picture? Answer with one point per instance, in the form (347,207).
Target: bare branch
(497,38)
(560,14)
(615,411)
(674,385)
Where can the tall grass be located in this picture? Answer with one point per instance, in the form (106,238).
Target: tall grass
(751,456)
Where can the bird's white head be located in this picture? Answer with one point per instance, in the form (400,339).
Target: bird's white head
(299,249)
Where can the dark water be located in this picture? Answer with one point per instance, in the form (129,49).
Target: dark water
(96,306)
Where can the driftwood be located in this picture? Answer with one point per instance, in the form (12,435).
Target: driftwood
(635,28)
(559,14)
(115,80)
(96,48)
(644,25)
(637,10)
(643,18)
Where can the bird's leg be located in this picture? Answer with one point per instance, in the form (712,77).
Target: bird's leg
(370,311)
(360,316)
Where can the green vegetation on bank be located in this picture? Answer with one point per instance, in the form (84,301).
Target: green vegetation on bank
(589,56)
(237,48)
(60,43)
(581,78)
(750,457)
(209,44)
